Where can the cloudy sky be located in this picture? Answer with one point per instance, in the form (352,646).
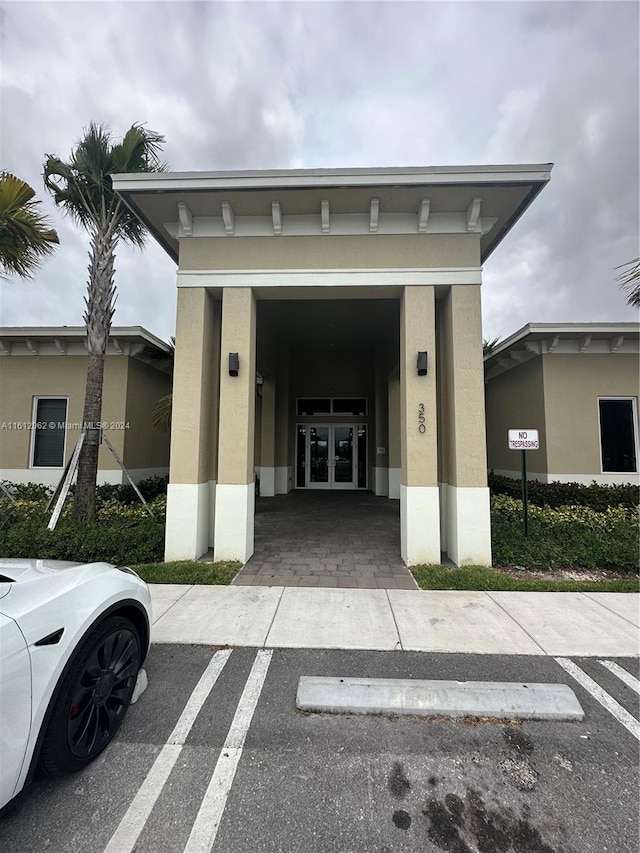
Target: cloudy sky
(316,84)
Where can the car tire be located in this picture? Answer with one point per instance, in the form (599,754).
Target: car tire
(93,697)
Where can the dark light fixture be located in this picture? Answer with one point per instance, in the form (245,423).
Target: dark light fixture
(422,364)
(234,364)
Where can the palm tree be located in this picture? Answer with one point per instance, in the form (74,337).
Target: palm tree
(83,188)
(629,282)
(25,236)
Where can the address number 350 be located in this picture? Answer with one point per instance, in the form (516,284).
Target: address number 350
(421,418)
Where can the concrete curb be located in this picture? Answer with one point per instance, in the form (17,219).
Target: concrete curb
(499,700)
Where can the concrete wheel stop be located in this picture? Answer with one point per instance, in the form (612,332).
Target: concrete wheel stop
(455,699)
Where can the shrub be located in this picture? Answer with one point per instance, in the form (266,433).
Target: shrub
(151,488)
(596,496)
(141,541)
(28,491)
(571,536)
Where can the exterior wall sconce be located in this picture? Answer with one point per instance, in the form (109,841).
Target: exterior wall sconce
(234,364)
(422,364)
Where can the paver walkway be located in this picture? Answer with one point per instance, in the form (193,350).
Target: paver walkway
(327,539)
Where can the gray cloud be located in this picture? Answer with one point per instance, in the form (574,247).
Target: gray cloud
(260,85)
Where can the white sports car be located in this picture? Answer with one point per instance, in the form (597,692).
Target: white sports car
(73,637)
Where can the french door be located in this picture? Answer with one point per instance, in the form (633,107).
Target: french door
(331,456)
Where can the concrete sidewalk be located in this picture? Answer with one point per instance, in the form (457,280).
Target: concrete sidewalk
(527,623)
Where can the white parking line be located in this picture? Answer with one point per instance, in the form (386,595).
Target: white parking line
(126,835)
(204,830)
(622,674)
(601,696)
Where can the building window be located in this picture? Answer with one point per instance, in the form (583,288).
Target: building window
(335,406)
(50,415)
(618,435)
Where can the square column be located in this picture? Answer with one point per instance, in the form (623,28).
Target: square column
(284,469)
(235,490)
(465,498)
(193,423)
(267,439)
(394,452)
(419,493)
(381,431)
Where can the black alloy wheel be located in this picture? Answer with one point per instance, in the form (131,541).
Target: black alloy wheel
(94,696)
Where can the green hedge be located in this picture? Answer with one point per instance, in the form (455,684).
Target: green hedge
(140,541)
(151,488)
(567,494)
(564,538)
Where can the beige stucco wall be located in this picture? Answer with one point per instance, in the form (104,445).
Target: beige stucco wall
(515,399)
(144,445)
(376,251)
(461,388)
(24,377)
(395,450)
(237,393)
(195,388)
(282,405)
(418,333)
(572,385)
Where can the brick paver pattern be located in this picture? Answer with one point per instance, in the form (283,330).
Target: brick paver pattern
(327,539)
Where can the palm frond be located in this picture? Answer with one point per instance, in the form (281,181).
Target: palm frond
(629,281)
(83,187)
(489,344)
(161,414)
(25,235)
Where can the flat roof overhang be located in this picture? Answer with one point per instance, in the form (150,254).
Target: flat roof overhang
(537,339)
(505,192)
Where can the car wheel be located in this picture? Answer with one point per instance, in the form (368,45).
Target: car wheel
(93,698)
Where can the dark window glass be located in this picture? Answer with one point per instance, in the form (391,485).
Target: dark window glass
(319,454)
(300,457)
(314,406)
(356,406)
(617,436)
(343,454)
(48,446)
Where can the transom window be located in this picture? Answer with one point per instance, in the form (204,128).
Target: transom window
(338,406)
(50,415)
(618,435)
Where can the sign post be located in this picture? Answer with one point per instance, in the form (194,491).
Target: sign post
(523,440)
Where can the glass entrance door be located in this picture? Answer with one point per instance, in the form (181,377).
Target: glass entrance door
(331,456)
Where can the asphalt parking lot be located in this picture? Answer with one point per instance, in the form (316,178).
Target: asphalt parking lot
(216,756)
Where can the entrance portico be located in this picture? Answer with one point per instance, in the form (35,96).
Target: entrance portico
(306,300)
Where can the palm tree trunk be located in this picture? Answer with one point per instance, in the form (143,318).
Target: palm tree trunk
(84,504)
(98,315)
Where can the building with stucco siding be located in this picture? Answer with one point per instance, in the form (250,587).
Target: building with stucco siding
(43,374)
(577,384)
(329,337)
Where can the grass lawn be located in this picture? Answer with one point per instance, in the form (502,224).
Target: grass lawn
(483,578)
(428,577)
(189,571)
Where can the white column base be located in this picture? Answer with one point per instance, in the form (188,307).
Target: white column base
(282,477)
(468,525)
(381,481)
(395,477)
(420,524)
(212,511)
(187,528)
(443,515)
(267,481)
(234,522)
